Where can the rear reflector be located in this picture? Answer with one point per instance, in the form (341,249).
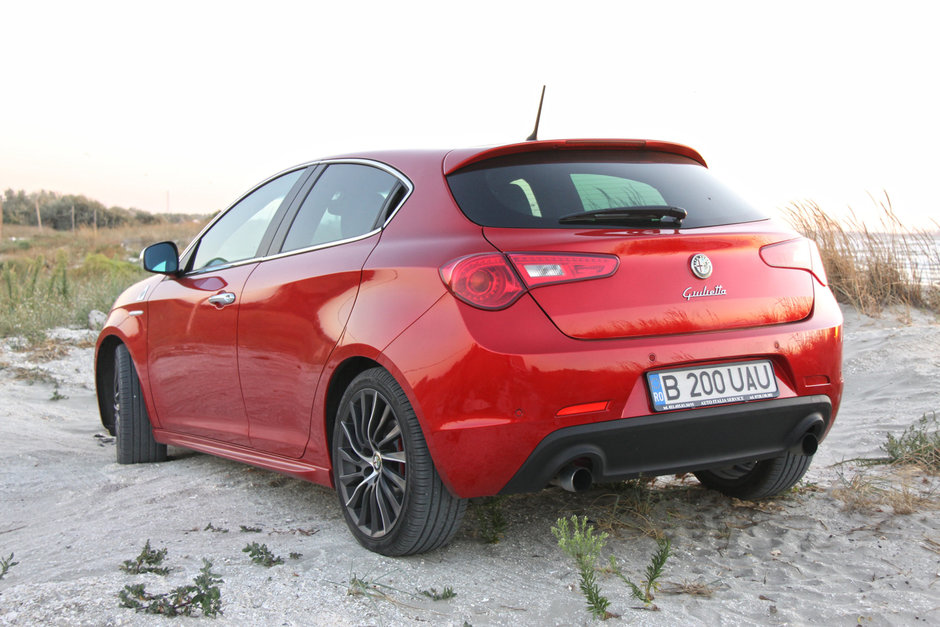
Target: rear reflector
(585,408)
(799,254)
(489,281)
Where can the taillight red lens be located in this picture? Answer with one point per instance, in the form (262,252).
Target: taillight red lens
(486,281)
(543,268)
(489,281)
(800,254)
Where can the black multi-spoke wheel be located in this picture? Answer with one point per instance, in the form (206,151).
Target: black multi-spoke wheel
(135,443)
(757,480)
(373,464)
(391,495)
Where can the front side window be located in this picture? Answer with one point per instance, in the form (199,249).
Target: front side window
(237,235)
(344,203)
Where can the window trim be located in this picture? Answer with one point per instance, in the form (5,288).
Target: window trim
(187,257)
(274,251)
(276,233)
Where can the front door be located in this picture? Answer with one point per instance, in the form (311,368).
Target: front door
(193,319)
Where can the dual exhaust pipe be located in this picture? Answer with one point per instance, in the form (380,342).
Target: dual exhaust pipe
(579,478)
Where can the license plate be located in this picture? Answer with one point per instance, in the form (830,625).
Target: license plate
(685,388)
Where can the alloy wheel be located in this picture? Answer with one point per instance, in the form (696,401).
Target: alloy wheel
(372,463)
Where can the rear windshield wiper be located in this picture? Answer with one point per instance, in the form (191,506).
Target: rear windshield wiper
(645,215)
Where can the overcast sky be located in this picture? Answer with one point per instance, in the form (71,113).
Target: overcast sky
(134,103)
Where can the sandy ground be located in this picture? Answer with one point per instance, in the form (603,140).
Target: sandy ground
(71,515)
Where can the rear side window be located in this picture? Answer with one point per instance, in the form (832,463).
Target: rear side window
(344,203)
(534,190)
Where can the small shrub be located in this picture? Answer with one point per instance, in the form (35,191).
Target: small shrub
(919,444)
(261,554)
(247,529)
(434,595)
(149,561)
(491,520)
(579,542)
(6,563)
(203,595)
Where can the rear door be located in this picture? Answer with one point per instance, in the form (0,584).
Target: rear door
(294,306)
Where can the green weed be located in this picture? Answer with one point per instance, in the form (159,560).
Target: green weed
(490,519)
(261,554)
(919,444)
(6,563)
(654,570)
(434,595)
(580,543)
(149,561)
(203,595)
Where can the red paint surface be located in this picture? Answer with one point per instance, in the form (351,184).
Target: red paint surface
(250,381)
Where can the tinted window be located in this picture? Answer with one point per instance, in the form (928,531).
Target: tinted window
(237,235)
(344,203)
(536,189)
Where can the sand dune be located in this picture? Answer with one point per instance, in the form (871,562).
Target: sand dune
(71,516)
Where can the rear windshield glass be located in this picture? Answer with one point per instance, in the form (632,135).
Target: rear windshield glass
(534,190)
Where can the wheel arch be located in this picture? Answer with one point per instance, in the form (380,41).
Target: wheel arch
(104,380)
(342,376)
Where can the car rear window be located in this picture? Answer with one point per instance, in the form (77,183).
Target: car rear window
(534,190)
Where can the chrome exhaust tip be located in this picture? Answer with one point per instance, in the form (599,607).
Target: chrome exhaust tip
(574,479)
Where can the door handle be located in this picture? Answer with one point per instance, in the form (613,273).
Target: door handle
(223,299)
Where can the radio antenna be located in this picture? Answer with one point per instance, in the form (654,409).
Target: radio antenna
(538,116)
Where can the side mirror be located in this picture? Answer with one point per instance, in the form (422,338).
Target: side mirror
(162,258)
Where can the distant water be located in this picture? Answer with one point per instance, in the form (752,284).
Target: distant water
(922,253)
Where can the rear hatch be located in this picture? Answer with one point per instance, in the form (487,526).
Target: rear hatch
(707,271)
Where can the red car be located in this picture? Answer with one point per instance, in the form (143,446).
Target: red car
(416,328)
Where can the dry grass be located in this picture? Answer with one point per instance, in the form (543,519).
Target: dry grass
(871,267)
(632,506)
(691,588)
(28,242)
(902,491)
(55,278)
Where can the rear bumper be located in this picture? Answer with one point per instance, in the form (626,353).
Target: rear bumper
(684,441)
(503,397)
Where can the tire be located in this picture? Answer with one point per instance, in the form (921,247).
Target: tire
(135,443)
(757,480)
(392,498)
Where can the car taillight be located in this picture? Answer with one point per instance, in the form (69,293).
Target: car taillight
(486,281)
(490,281)
(541,269)
(800,254)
